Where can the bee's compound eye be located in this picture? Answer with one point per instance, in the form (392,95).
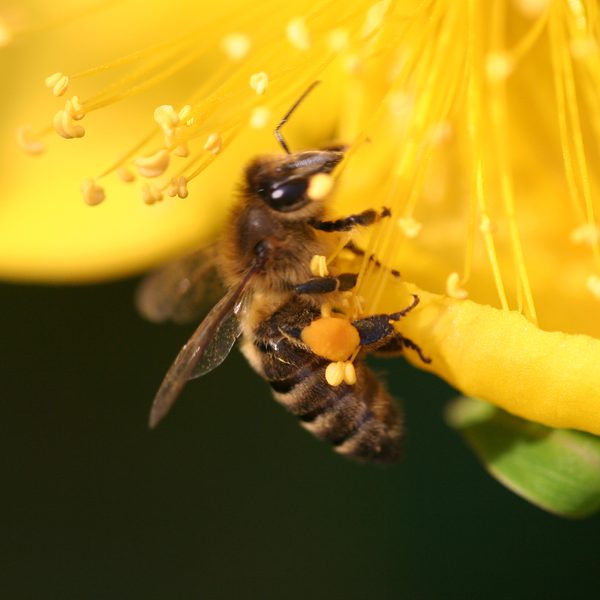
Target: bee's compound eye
(289,195)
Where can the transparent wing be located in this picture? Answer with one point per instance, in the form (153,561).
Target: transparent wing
(206,349)
(183,290)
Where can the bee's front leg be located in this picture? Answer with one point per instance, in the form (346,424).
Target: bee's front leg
(367,217)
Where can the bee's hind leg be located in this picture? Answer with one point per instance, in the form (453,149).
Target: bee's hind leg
(326,285)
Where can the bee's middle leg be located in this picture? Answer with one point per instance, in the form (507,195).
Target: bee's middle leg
(326,285)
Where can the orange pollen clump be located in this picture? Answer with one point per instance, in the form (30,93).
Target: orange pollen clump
(333,338)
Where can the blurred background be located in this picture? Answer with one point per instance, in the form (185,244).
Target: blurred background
(230,498)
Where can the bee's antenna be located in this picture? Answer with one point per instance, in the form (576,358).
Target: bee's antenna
(283,121)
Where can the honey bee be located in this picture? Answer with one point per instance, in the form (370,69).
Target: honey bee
(311,357)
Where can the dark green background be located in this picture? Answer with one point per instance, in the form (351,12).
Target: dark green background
(229,498)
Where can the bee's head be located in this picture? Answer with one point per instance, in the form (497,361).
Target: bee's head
(286,183)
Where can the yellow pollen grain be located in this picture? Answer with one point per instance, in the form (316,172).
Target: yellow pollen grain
(151,194)
(28,141)
(375,16)
(58,83)
(6,36)
(259,117)
(453,288)
(185,112)
(498,66)
(334,374)
(532,8)
(593,285)
(259,82)
(588,234)
(214,143)
(410,227)
(298,34)
(65,127)
(486,225)
(319,186)
(338,40)
(92,193)
(318,266)
(349,373)
(236,45)
(125,175)
(154,165)
(583,47)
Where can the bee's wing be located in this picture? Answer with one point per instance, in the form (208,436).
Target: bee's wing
(205,350)
(182,290)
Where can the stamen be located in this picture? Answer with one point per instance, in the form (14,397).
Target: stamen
(166,117)
(259,82)
(151,194)
(178,187)
(75,108)
(92,193)
(182,151)
(349,373)
(260,117)
(65,127)
(319,186)
(236,45)
(410,227)
(318,266)
(125,175)
(593,285)
(58,83)
(453,288)
(334,373)
(498,66)
(298,34)
(214,143)
(29,141)
(153,165)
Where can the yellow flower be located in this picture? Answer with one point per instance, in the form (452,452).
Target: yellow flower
(477,122)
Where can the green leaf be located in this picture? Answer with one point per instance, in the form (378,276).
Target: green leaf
(555,469)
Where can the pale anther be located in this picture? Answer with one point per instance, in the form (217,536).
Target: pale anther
(236,45)
(166,117)
(409,227)
(182,151)
(151,194)
(178,187)
(58,83)
(125,175)
(319,186)
(214,143)
(588,234)
(454,289)
(153,165)
(65,127)
(334,373)
(28,141)
(318,266)
(593,285)
(92,193)
(375,16)
(498,66)
(260,117)
(185,112)
(75,108)
(259,82)
(349,373)
(298,34)
(6,35)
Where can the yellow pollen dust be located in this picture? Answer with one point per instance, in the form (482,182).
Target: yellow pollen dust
(298,34)
(334,338)
(28,141)
(154,165)
(260,117)
(319,186)
(92,193)
(178,187)
(593,285)
(318,266)
(259,82)
(236,45)
(58,83)
(498,66)
(410,227)
(151,194)
(454,289)
(337,373)
(214,143)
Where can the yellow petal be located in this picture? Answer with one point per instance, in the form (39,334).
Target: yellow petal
(499,356)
